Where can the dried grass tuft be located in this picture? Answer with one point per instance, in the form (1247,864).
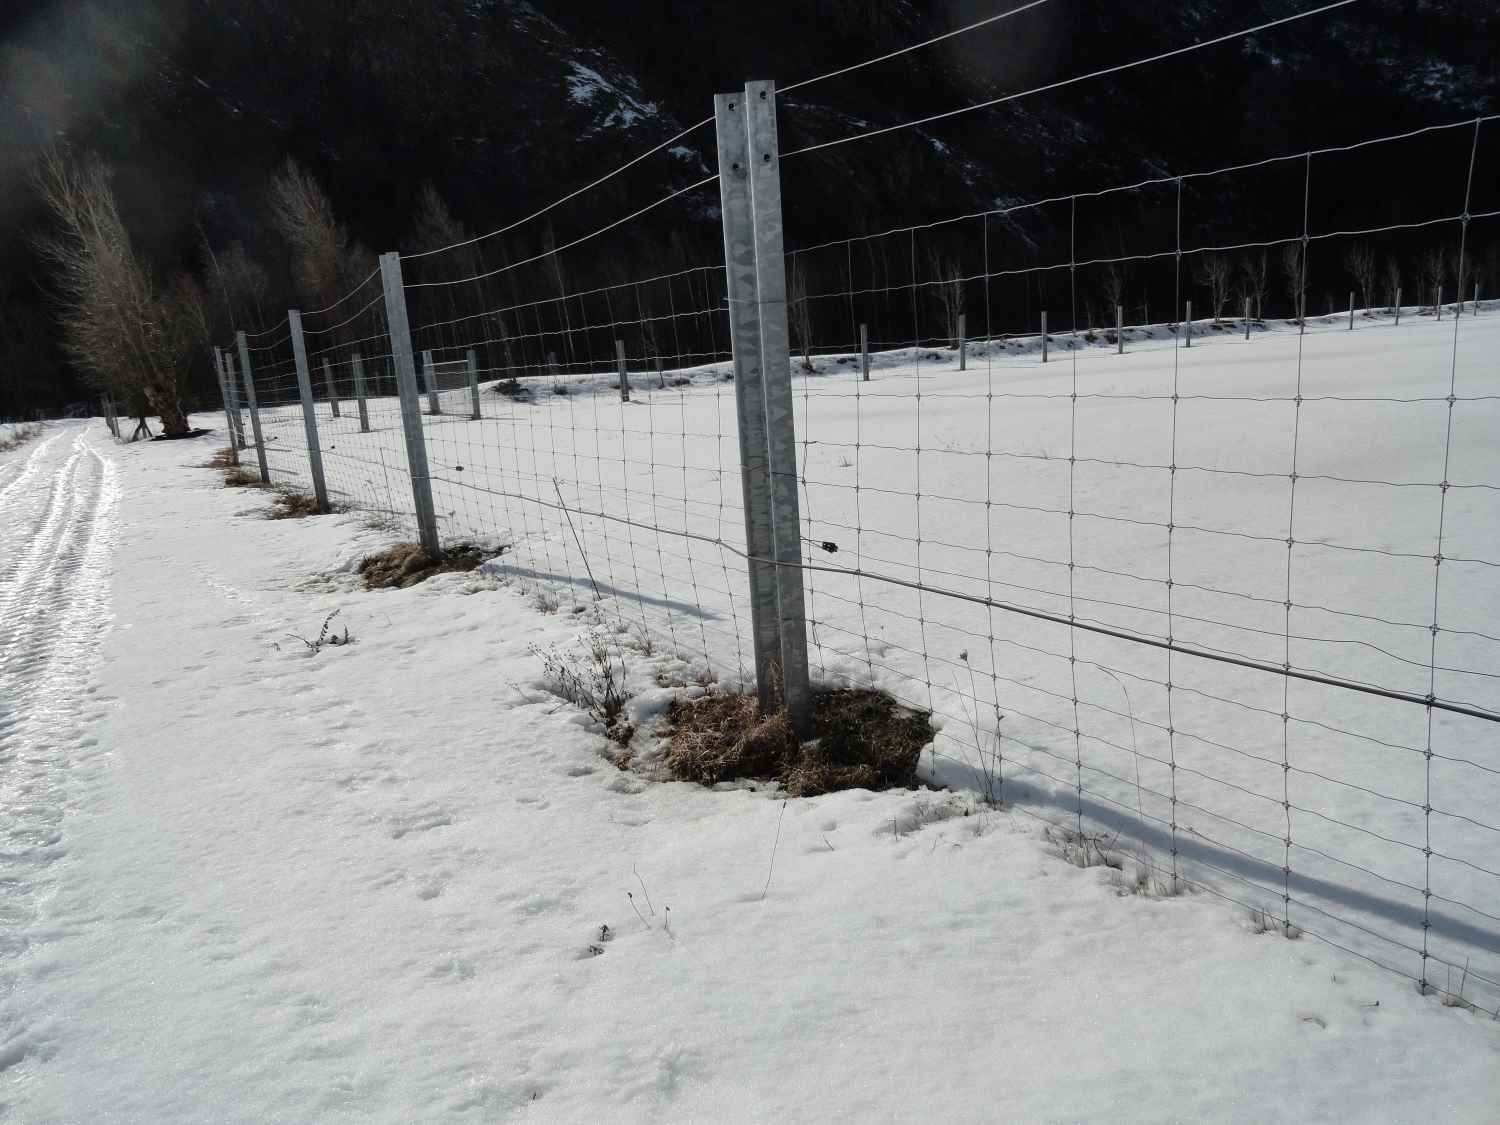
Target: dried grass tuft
(406,564)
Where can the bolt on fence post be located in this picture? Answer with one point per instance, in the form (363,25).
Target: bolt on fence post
(781,435)
(624,375)
(471,360)
(1351,310)
(1119,329)
(433,405)
(328,387)
(864,352)
(411,404)
(1044,336)
(1398,305)
(1187,325)
(358,362)
(234,452)
(309,415)
(749,400)
(249,382)
(963,342)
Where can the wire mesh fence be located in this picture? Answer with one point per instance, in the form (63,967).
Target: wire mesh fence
(1223,588)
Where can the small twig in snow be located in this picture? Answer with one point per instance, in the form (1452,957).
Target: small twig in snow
(637,910)
(644,891)
(774,846)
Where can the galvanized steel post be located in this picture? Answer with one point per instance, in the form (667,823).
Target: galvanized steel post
(309,414)
(328,387)
(472,361)
(411,404)
(358,363)
(963,342)
(248,376)
(234,451)
(864,351)
(624,374)
(1120,329)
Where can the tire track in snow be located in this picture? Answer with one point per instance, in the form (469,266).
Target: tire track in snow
(54,609)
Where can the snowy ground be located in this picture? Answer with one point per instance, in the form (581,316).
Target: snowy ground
(966,482)
(242,883)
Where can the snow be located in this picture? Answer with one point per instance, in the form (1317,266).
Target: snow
(586,86)
(243,882)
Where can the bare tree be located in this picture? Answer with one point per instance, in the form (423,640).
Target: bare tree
(1359,260)
(1292,257)
(948,291)
(1434,272)
(1213,274)
(1113,287)
(326,262)
(1255,281)
(127,337)
(799,313)
(240,284)
(1392,282)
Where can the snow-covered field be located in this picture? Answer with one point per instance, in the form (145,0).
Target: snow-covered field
(247,884)
(1006,453)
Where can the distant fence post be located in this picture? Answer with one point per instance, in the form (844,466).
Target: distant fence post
(472,360)
(1476,299)
(1120,329)
(963,342)
(624,374)
(309,415)
(864,352)
(248,376)
(1438,303)
(234,449)
(358,363)
(776,385)
(1187,325)
(433,405)
(1351,310)
(1044,336)
(749,398)
(1247,318)
(661,376)
(232,386)
(328,387)
(1398,305)
(411,405)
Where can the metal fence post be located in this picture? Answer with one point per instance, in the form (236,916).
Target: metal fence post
(864,351)
(1187,325)
(963,342)
(661,376)
(433,405)
(309,415)
(473,365)
(248,375)
(328,387)
(1120,329)
(1351,310)
(1476,299)
(781,437)
(749,400)
(1398,305)
(1439,302)
(411,405)
(232,386)
(624,374)
(234,450)
(1247,319)
(358,363)
(1044,336)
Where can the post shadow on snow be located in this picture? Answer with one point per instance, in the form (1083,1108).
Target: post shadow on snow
(605,589)
(957,774)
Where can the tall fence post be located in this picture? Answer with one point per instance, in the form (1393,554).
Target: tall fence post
(328,387)
(248,375)
(781,437)
(1398,305)
(433,404)
(405,366)
(1044,336)
(232,386)
(624,374)
(234,449)
(864,352)
(471,360)
(749,399)
(309,414)
(1119,329)
(357,361)
(963,342)
(1187,325)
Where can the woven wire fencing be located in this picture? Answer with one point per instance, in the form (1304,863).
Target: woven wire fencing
(1217,586)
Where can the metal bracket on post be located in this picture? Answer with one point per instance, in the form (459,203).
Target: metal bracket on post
(309,415)
(433,405)
(864,352)
(358,363)
(411,406)
(963,342)
(1044,336)
(745,348)
(234,451)
(248,375)
(328,387)
(624,374)
(776,385)
(472,362)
